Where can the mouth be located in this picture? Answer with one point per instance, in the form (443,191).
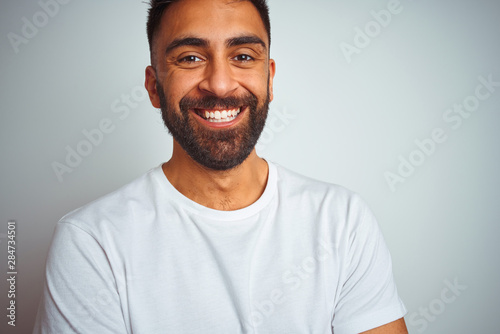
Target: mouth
(218,115)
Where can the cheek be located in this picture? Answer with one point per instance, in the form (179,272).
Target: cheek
(179,84)
(255,83)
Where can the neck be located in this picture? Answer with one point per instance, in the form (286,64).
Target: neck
(227,190)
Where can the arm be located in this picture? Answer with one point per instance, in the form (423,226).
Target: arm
(395,327)
(80,294)
(368,301)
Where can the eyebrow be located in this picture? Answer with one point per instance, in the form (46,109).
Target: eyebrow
(187,41)
(200,42)
(245,40)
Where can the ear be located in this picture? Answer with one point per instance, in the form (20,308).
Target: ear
(272,71)
(150,85)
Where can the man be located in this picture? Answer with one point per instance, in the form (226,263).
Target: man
(218,240)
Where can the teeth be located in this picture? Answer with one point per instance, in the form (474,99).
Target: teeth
(228,119)
(220,115)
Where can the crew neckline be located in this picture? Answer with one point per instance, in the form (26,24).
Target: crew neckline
(176,197)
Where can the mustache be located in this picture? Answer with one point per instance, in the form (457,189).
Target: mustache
(214,102)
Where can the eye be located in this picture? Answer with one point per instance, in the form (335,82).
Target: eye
(189,60)
(243,58)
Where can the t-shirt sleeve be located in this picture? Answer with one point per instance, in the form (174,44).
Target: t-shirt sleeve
(79,294)
(368,296)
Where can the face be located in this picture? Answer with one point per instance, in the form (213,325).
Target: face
(212,79)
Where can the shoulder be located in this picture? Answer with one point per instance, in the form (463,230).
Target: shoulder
(333,208)
(118,207)
(304,187)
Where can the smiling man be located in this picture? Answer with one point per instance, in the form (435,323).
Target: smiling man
(214,90)
(218,240)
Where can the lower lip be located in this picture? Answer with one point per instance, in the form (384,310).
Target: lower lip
(220,125)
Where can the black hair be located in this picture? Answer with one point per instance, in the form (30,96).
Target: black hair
(158,7)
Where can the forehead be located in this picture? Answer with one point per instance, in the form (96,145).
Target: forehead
(213,20)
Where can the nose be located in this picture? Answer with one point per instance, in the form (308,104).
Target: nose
(219,79)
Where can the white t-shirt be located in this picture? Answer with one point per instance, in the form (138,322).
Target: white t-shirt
(306,257)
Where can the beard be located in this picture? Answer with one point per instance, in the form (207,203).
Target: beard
(216,149)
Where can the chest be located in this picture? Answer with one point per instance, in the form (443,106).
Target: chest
(262,279)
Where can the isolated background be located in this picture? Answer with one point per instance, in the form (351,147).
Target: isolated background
(334,120)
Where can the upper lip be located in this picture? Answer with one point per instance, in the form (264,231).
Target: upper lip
(217,108)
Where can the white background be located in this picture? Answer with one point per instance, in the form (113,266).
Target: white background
(345,122)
